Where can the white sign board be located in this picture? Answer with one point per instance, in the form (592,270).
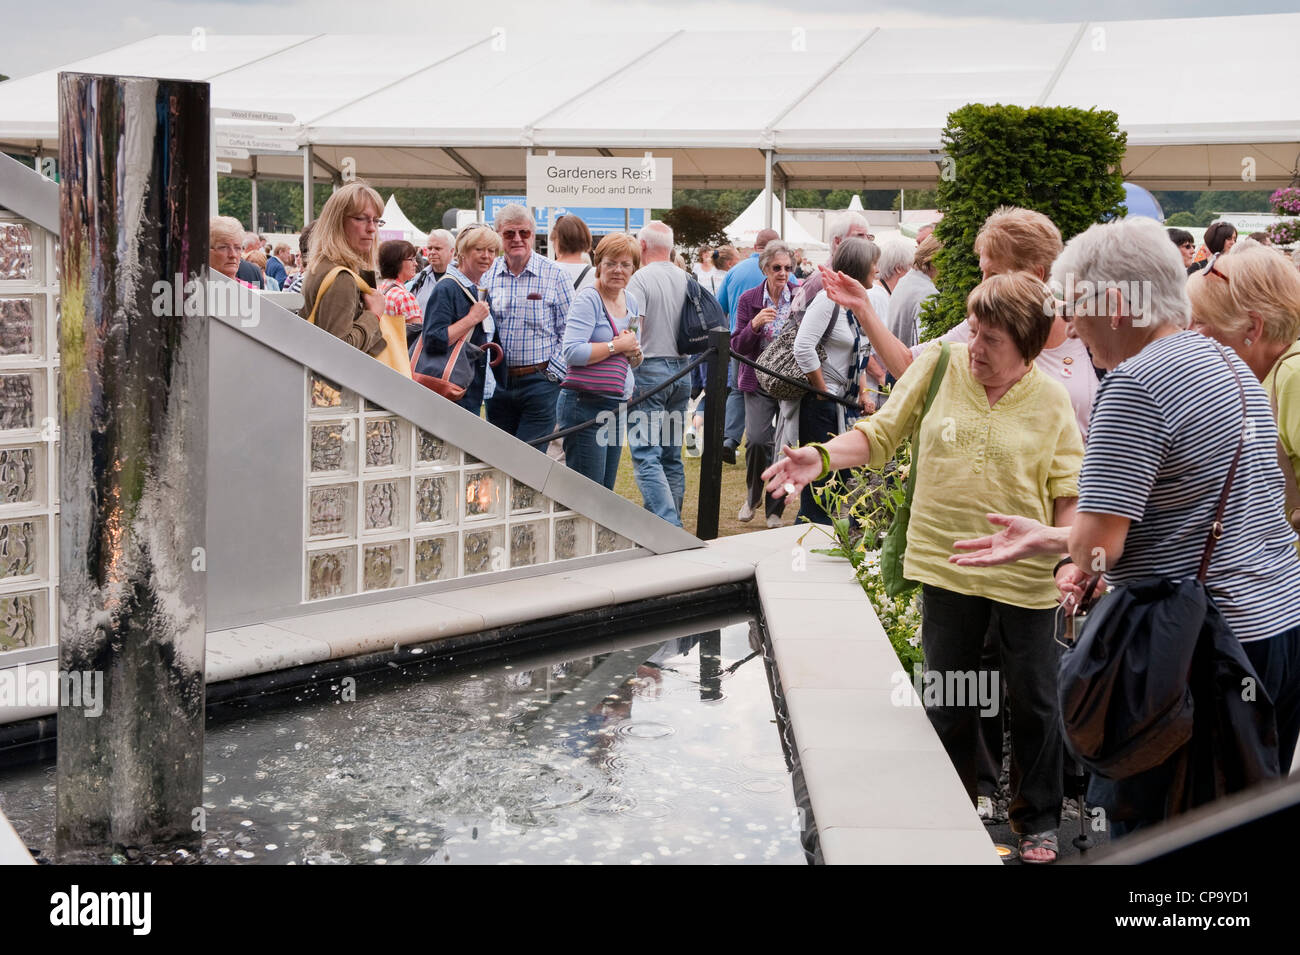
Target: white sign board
(252,115)
(223,166)
(255,144)
(227,152)
(598,181)
(1248,222)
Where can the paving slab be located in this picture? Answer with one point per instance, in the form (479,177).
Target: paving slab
(260,648)
(907,847)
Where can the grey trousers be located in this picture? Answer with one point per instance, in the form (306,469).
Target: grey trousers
(760,431)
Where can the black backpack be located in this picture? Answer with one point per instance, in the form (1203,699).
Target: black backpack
(701,313)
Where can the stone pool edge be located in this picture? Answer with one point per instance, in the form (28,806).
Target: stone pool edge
(881,787)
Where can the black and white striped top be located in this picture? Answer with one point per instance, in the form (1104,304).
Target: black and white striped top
(1165,426)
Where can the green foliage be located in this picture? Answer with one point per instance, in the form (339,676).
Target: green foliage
(916,199)
(863,511)
(1197,209)
(279,203)
(1181,220)
(728,203)
(1060,161)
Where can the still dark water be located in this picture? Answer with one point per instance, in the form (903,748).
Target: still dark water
(660,748)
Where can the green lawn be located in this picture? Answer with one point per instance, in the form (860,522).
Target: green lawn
(733,495)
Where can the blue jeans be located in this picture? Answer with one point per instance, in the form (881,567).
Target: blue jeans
(654,436)
(733,428)
(526,408)
(594,452)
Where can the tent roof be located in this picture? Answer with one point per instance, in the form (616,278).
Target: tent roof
(817,98)
(748,224)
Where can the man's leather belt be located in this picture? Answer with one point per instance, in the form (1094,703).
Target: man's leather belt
(520,370)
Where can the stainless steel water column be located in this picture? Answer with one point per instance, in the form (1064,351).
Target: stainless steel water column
(133,154)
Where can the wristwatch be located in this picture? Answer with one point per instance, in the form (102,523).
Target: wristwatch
(611,347)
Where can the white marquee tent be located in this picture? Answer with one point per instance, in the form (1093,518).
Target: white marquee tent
(848,108)
(397,226)
(741,232)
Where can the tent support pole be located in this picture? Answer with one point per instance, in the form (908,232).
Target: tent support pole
(252,192)
(478,200)
(767,188)
(307,202)
(783,207)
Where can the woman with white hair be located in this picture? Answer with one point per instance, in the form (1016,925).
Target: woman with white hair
(1165,428)
(225,235)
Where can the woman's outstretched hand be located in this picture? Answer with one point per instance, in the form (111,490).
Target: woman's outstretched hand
(792,473)
(1019,538)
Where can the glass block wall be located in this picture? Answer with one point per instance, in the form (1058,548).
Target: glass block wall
(389,505)
(29,468)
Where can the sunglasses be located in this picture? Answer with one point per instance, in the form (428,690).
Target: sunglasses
(521,233)
(779,268)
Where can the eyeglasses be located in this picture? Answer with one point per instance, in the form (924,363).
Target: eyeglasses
(779,268)
(623,265)
(522,233)
(1187,245)
(225,248)
(379,223)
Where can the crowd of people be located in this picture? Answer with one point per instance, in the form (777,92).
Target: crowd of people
(1078,423)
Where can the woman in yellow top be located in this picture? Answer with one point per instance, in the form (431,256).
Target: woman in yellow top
(1000,434)
(1250,301)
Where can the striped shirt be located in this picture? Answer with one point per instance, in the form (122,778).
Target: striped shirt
(529,310)
(1164,430)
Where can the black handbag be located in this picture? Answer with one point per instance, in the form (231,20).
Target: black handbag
(1125,687)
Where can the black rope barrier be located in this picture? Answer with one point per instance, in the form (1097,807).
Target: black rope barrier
(582,426)
(795,381)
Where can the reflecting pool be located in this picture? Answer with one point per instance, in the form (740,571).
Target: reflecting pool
(660,747)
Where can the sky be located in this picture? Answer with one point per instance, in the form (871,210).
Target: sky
(82,28)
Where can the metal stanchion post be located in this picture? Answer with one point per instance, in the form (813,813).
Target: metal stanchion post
(715,411)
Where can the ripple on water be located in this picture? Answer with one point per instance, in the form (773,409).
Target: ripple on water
(764,763)
(644,729)
(609,802)
(623,763)
(763,786)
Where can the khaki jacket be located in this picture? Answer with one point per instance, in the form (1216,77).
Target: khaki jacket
(342,311)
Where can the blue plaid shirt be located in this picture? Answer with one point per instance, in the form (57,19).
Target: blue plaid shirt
(530,309)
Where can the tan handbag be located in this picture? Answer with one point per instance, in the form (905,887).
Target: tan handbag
(393,327)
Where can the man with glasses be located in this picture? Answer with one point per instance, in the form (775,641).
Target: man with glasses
(530,302)
(441,244)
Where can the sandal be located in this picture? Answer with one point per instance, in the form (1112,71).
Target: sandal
(1039,840)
